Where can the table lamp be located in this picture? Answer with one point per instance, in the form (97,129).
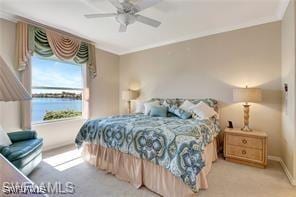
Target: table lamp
(128,95)
(247,95)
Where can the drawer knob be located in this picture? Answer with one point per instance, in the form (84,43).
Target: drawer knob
(244,152)
(244,141)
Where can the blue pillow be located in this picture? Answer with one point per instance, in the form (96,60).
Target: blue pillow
(180,112)
(158,111)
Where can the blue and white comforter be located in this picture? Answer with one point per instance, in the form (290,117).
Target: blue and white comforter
(173,143)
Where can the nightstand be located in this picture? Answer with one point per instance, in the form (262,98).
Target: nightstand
(248,148)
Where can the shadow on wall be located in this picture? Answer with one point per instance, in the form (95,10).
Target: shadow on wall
(222,91)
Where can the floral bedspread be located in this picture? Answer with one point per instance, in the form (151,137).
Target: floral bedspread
(173,143)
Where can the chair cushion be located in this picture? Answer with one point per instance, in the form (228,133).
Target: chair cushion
(22,135)
(20,163)
(29,167)
(21,149)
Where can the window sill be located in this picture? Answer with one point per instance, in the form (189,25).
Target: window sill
(58,121)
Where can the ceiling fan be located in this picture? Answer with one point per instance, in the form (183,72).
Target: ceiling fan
(127,13)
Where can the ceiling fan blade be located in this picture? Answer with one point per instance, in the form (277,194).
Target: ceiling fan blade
(147,21)
(116,3)
(143,4)
(100,15)
(122,28)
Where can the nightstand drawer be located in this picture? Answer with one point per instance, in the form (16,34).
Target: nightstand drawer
(248,142)
(243,152)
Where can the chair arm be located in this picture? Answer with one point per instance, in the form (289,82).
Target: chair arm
(22,135)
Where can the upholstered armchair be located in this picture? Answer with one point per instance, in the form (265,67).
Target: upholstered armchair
(25,152)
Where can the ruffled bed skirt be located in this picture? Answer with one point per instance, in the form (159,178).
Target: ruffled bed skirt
(140,172)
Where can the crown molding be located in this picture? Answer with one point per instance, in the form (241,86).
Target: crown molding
(15,19)
(282,8)
(8,17)
(277,17)
(259,21)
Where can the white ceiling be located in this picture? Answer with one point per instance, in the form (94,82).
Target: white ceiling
(181,19)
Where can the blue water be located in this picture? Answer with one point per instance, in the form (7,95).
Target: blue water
(41,105)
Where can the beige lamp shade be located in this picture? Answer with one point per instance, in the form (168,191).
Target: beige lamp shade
(11,89)
(247,95)
(128,95)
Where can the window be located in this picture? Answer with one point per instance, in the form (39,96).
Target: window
(56,90)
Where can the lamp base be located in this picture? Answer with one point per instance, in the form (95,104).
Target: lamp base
(129,107)
(246,129)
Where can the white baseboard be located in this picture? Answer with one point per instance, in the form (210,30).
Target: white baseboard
(47,148)
(287,172)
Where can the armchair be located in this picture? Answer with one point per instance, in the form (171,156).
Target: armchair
(25,152)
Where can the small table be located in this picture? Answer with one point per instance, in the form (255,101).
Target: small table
(10,176)
(248,148)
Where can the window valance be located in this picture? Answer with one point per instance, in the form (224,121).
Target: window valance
(47,43)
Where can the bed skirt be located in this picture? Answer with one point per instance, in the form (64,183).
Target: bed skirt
(140,172)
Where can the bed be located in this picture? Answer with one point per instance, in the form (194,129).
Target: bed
(168,155)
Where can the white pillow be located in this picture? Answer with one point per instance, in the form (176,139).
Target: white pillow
(140,108)
(149,105)
(203,111)
(4,139)
(186,105)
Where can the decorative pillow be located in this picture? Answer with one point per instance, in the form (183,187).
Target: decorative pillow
(171,114)
(149,105)
(169,102)
(178,101)
(140,108)
(186,105)
(203,111)
(179,112)
(4,139)
(159,111)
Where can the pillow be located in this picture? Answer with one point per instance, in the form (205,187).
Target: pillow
(203,111)
(159,111)
(4,139)
(179,112)
(140,108)
(186,105)
(149,105)
(169,102)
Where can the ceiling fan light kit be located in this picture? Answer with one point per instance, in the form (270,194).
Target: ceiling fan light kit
(127,13)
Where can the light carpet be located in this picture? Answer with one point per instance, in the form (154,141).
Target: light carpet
(226,179)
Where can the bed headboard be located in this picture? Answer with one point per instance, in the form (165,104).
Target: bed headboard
(178,101)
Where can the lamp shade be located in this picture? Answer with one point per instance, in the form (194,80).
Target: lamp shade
(247,95)
(11,89)
(128,95)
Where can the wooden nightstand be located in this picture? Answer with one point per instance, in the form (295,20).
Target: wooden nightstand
(248,148)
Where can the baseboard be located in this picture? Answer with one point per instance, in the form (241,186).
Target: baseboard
(48,148)
(287,172)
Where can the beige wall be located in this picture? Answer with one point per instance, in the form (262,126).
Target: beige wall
(204,67)
(211,67)
(105,87)
(104,97)
(288,76)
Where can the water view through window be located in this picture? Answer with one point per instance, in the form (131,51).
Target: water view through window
(56,90)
